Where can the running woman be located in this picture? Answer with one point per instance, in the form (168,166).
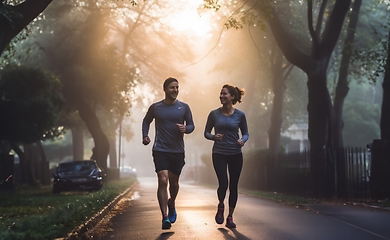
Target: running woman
(173,119)
(226,152)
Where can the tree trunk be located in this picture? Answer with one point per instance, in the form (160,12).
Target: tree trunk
(7,172)
(101,149)
(320,118)
(341,93)
(25,166)
(113,155)
(385,114)
(30,157)
(380,149)
(279,88)
(44,165)
(78,143)
(14,19)
(315,66)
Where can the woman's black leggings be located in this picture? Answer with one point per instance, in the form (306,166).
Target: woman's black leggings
(223,164)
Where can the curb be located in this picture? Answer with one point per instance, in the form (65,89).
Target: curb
(353,204)
(300,205)
(93,221)
(369,206)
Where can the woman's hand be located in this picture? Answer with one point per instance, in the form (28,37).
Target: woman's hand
(240,142)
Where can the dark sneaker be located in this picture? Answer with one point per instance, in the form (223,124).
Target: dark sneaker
(219,216)
(172,215)
(230,223)
(166,224)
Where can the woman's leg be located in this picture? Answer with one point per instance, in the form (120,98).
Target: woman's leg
(220,167)
(235,163)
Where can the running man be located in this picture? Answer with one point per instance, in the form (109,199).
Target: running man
(173,119)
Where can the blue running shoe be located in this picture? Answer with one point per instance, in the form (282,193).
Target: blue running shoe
(166,224)
(172,215)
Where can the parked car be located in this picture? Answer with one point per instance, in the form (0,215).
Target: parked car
(78,175)
(127,171)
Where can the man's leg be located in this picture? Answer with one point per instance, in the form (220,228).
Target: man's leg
(173,191)
(173,186)
(162,192)
(175,167)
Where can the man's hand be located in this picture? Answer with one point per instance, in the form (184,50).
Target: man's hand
(146,140)
(218,137)
(182,127)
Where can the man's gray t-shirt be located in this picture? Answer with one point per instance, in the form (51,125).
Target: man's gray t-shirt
(168,137)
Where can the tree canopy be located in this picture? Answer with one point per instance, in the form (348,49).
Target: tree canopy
(31,101)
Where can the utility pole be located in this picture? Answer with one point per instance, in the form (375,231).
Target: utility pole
(119,145)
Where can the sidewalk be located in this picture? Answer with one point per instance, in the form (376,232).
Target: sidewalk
(368,218)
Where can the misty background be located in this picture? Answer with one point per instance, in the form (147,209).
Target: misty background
(115,57)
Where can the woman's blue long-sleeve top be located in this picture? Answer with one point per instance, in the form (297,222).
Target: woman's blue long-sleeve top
(229,126)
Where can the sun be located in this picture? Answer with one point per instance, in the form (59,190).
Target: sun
(191,22)
(186,19)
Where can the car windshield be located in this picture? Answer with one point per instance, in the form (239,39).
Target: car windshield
(76,166)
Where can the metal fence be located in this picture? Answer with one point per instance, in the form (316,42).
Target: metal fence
(358,167)
(293,173)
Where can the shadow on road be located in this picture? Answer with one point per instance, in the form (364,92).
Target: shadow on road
(165,235)
(237,234)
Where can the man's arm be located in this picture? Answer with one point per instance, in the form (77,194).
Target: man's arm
(189,121)
(146,125)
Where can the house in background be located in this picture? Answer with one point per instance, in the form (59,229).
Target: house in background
(298,138)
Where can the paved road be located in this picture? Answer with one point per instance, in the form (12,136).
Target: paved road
(255,218)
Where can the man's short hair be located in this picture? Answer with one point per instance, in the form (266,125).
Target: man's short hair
(169,81)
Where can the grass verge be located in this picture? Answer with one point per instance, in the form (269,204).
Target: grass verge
(280,197)
(297,200)
(37,213)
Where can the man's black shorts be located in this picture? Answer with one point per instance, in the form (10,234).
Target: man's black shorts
(174,162)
